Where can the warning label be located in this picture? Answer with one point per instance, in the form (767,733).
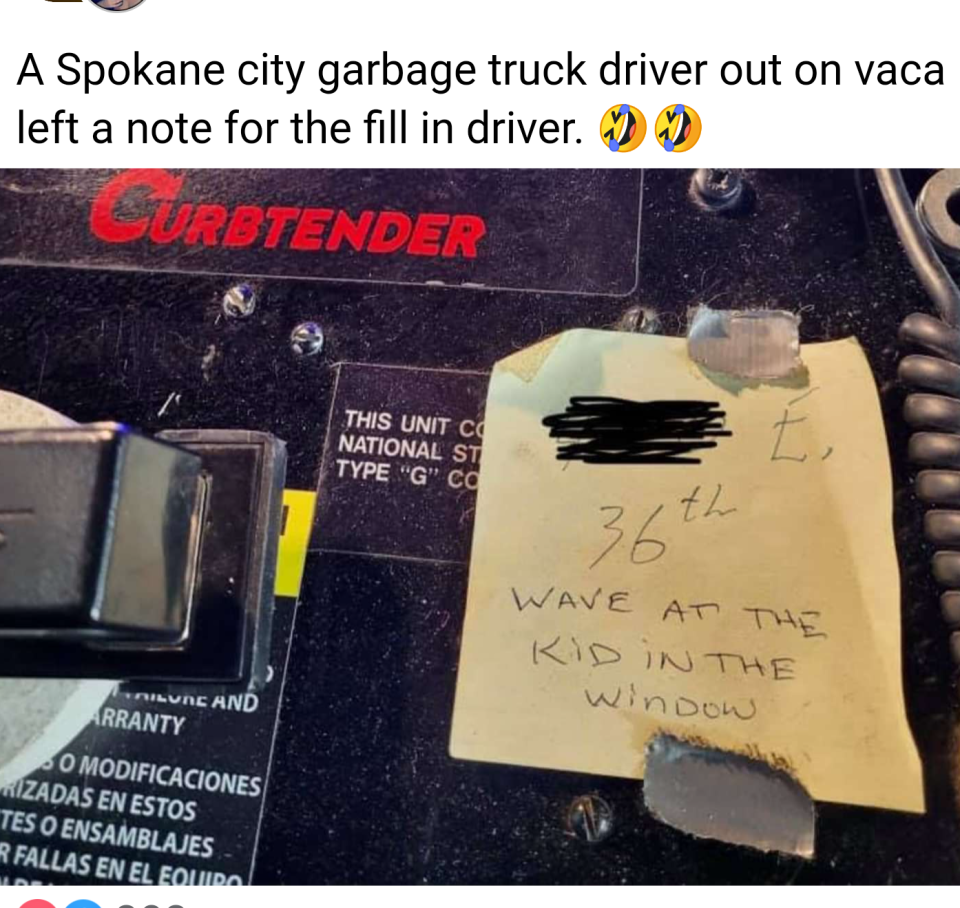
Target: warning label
(401,462)
(160,789)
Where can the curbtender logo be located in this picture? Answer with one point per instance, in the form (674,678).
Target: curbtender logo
(119,215)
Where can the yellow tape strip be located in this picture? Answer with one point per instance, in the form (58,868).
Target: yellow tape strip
(298,508)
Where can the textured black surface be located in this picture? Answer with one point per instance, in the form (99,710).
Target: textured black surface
(362,787)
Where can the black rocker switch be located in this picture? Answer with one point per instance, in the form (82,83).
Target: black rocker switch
(127,557)
(100,534)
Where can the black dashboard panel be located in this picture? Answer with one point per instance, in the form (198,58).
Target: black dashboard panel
(362,788)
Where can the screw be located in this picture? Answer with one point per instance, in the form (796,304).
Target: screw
(306,339)
(718,189)
(590,819)
(650,322)
(639,318)
(239,301)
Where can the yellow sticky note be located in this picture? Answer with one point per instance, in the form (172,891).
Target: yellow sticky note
(298,508)
(751,600)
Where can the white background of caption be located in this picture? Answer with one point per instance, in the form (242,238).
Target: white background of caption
(744,126)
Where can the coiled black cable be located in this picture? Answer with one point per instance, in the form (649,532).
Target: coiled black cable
(935,445)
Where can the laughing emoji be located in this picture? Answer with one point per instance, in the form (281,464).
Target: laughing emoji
(678,127)
(622,128)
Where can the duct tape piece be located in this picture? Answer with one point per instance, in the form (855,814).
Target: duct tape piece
(758,344)
(717,794)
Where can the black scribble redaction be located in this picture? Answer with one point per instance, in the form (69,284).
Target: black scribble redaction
(614,430)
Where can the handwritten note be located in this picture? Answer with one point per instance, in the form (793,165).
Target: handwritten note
(659,550)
